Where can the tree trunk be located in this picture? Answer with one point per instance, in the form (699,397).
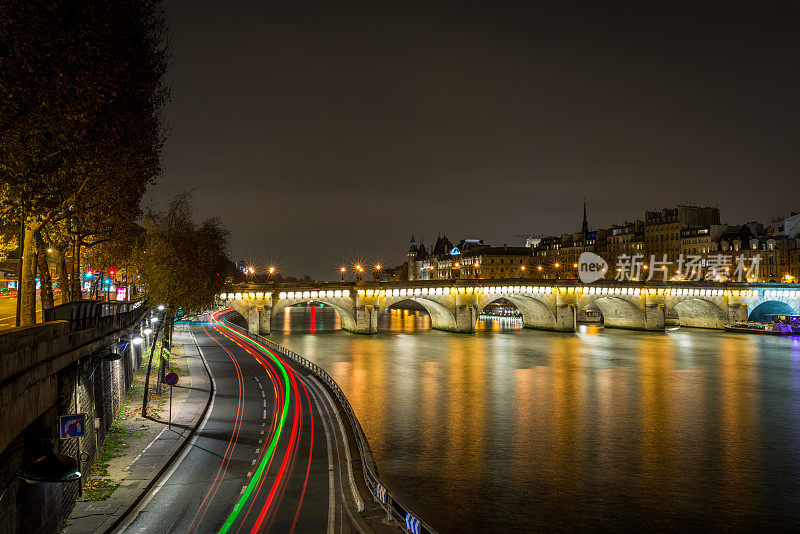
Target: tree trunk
(45,280)
(63,277)
(76,268)
(27,283)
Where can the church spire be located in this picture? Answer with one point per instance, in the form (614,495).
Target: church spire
(585,226)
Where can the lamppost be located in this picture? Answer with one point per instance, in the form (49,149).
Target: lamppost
(555,272)
(342,270)
(522,268)
(359,270)
(271,272)
(377,271)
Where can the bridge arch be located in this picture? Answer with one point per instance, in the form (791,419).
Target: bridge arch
(345,315)
(768,307)
(617,312)
(442,318)
(699,313)
(535,313)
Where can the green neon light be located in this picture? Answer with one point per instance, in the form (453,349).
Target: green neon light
(271,450)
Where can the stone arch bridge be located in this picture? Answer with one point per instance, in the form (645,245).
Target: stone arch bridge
(454,305)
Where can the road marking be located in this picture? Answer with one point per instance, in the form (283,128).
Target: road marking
(331,484)
(330,403)
(258,450)
(253,462)
(265,414)
(265,403)
(145,449)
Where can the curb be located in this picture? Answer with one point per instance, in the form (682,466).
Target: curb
(168,463)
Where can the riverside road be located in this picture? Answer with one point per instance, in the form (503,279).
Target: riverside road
(262,460)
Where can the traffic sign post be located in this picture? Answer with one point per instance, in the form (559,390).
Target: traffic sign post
(171,379)
(72,426)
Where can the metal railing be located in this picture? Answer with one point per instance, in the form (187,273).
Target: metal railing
(395,508)
(83,314)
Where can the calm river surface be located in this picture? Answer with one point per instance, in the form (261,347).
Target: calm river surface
(515,430)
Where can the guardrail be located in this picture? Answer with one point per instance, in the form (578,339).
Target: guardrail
(395,509)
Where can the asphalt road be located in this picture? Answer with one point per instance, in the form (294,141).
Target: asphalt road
(8,312)
(263,460)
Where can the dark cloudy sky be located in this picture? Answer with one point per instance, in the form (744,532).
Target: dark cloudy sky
(332,131)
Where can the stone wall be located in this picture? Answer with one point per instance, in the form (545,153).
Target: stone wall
(47,371)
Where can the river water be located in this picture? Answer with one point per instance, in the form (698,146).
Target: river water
(515,430)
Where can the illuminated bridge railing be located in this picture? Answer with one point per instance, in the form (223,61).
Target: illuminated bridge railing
(406,518)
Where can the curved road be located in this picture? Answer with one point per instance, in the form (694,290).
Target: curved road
(266,458)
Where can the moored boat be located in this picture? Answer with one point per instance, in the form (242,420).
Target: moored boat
(778,325)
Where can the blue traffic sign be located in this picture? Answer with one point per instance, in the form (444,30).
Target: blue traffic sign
(171,379)
(72,426)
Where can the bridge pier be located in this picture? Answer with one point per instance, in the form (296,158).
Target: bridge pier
(566,312)
(252,319)
(737,311)
(655,317)
(366,320)
(466,315)
(264,319)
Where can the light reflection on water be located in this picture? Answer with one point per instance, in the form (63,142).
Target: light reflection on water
(510,429)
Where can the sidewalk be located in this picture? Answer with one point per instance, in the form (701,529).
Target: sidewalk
(138,450)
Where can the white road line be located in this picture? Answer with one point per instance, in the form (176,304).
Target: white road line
(145,449)
(265,414)
(331,484)
(356,496)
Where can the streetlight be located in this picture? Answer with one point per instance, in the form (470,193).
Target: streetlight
(271,271)
(377,271)
(359,270)
(342,270)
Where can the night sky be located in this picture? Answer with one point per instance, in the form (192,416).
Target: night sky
(332,132)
